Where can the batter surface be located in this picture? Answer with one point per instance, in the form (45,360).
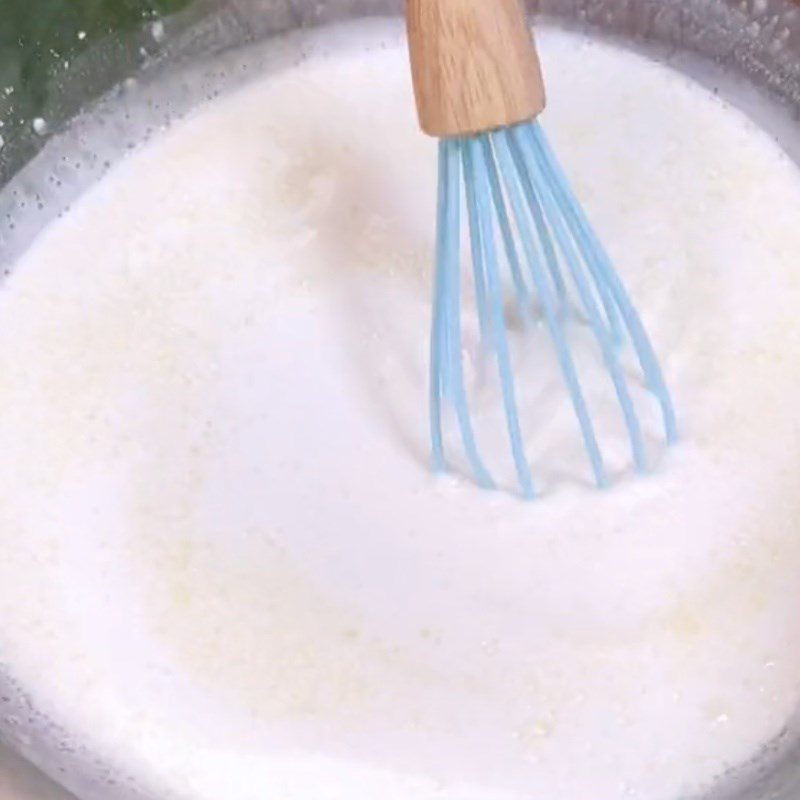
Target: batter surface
(225,564)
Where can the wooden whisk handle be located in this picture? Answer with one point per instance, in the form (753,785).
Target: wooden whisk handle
(474,65)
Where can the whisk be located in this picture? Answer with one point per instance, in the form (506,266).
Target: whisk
(479,89)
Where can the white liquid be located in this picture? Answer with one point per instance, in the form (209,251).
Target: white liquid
(225,565)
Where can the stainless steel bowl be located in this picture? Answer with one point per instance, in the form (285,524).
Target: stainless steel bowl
(747,50)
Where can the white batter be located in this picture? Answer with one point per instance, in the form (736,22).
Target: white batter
(225,564)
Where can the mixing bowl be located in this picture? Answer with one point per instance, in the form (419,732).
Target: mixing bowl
(120,91)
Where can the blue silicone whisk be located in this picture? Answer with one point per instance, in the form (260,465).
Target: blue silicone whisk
(479,89)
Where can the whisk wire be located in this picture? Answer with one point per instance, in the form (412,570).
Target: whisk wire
(598,259)
(550,307)
(531,138)
(478,267)
(556,216)
(479,207)
(447,377)
(438,348)
(522,293)
(514,185)
(543,240)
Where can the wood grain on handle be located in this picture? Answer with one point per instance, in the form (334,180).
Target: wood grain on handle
(474,65)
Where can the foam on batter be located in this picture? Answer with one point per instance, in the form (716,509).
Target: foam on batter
(225,564)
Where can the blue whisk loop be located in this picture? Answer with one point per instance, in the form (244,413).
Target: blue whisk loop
(518,196)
